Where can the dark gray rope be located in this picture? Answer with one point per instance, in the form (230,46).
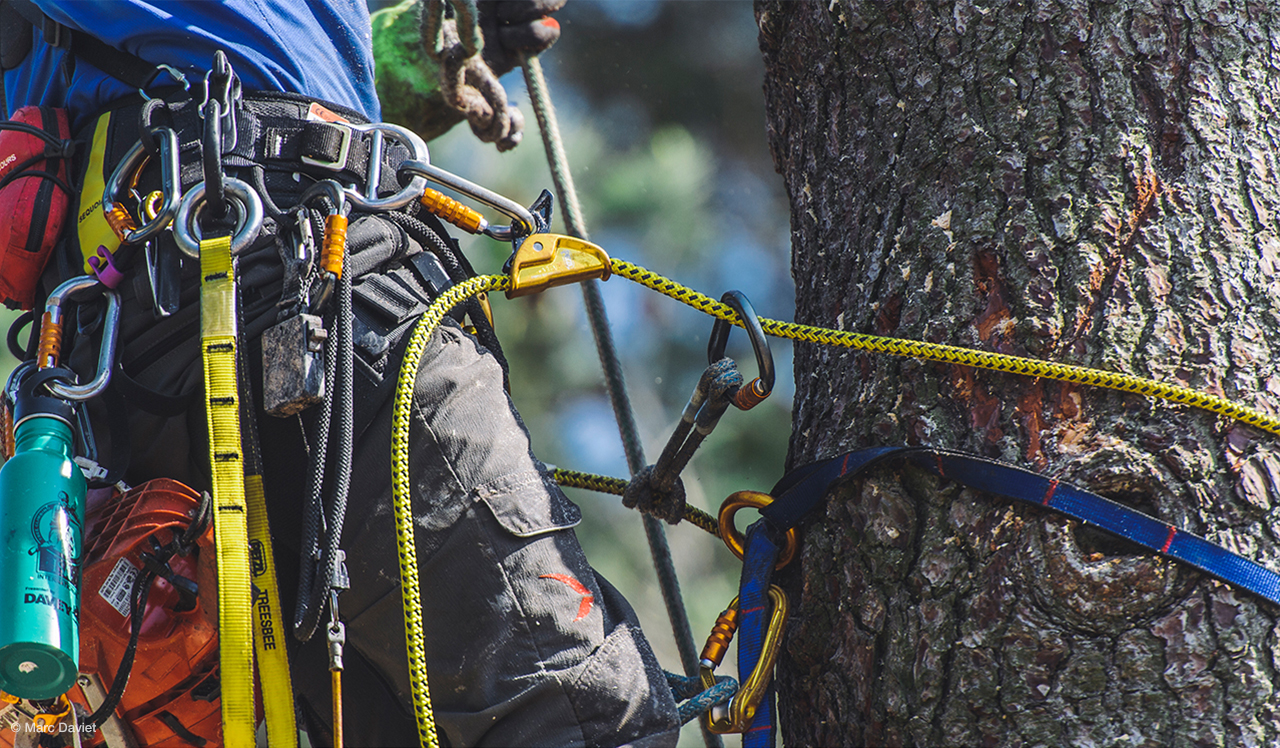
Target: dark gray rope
(540,98)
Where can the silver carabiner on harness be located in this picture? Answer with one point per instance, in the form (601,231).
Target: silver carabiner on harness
(186,229)
(522,221)
(51,326)
(125,176)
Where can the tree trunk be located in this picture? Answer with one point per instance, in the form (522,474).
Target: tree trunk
(1085,182)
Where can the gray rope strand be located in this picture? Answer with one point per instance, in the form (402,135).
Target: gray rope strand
(656,534)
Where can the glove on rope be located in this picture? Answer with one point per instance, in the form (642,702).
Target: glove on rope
(514,29)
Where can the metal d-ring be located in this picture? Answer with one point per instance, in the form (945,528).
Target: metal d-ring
(752,393)
(248,208)
(369,201)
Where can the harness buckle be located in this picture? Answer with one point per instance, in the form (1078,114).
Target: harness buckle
(546,260)
(339,162)
(741,709)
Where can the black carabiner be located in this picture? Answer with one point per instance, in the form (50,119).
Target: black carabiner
(755,391)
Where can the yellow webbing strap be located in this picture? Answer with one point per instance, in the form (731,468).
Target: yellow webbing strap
(230,521)
(91,223)
(268,630)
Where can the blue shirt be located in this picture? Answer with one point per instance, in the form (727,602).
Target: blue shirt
(320,48)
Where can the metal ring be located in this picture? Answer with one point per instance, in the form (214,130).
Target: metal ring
(186,229)
(407,194)
(735,540)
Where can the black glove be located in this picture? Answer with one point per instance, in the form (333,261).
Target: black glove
(516,28)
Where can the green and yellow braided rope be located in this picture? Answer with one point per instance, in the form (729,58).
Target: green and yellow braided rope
(618,486)
(951,354)
(402,501)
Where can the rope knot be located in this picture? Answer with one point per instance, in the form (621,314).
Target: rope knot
(645,493)
(470,87)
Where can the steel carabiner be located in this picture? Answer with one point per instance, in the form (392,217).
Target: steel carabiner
(755,391)
(741,709)
(51,338)
(522,221)
(125,176)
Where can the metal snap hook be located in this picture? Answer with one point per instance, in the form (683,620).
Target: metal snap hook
(248,208)
(755,391)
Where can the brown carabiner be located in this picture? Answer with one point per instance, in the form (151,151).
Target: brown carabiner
(735,540)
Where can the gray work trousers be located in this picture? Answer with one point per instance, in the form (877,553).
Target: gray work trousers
(525,643)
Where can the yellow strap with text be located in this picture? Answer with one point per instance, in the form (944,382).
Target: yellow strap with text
(230,518)
(91,223)
(268,631)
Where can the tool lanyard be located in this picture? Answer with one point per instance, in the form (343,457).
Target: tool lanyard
(230,518)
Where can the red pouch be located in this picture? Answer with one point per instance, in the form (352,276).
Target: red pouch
(34,149)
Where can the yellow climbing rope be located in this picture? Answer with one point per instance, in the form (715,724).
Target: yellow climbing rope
(402,501)
(951,354)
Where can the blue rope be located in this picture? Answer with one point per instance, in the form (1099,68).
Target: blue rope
(697,700)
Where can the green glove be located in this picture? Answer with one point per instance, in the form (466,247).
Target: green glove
(408,79)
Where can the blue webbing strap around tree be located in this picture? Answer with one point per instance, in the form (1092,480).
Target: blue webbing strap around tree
(804,488)
(753,621)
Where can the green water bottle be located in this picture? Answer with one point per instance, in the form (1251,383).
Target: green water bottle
(42,493)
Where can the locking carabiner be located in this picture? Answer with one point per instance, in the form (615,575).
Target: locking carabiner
(51,338)
(741,709)
(755,391)
(125,177)
(522,221)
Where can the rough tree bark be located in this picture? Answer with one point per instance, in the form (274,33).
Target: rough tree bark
(1086,182)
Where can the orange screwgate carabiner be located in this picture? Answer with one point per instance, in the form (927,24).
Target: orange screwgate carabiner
(741,710)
